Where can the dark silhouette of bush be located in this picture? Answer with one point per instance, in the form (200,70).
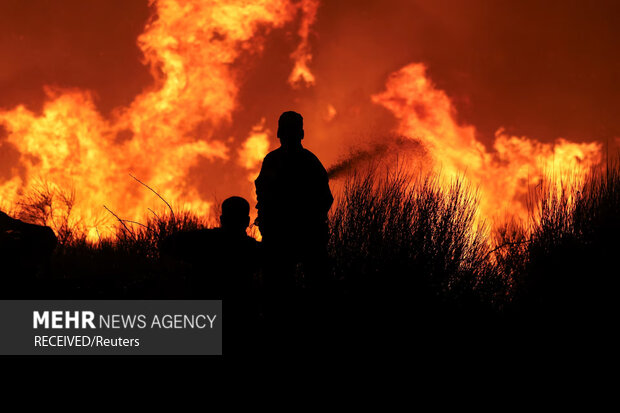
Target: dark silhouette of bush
(569,277)
(410,244)
(410,241)
(126,266)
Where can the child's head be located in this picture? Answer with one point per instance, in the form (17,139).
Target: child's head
(235,214)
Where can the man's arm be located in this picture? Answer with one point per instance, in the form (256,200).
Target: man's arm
(323,191)
(263,185)
(328,198)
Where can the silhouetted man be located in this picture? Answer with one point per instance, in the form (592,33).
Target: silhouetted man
(25,251)
(294,198)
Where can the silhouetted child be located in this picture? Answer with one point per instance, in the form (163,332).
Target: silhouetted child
(224,260)
(223,265)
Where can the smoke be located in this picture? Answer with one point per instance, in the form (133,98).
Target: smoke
(389,151)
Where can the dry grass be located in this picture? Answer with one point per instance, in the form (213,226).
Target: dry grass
(394,236)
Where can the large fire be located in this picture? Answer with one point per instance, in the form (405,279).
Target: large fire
(193,49)
(504,176)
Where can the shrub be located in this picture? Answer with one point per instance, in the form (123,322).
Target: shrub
(408,238)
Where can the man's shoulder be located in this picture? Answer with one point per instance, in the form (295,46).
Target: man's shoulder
(310,155)
(312,159)
(303,156)
(276,153)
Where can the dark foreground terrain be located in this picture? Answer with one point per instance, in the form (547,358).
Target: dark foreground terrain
(411,272)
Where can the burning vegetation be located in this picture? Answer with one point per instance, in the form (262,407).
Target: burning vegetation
(175,135)
(423,205)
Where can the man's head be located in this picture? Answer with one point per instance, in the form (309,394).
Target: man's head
(290,128)
(235,216)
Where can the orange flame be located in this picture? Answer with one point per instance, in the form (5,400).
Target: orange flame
(189,48)
(301,73)
(503,174)
(254,149)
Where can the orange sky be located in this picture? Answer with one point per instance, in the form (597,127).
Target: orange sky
(539,69)
(544,69)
